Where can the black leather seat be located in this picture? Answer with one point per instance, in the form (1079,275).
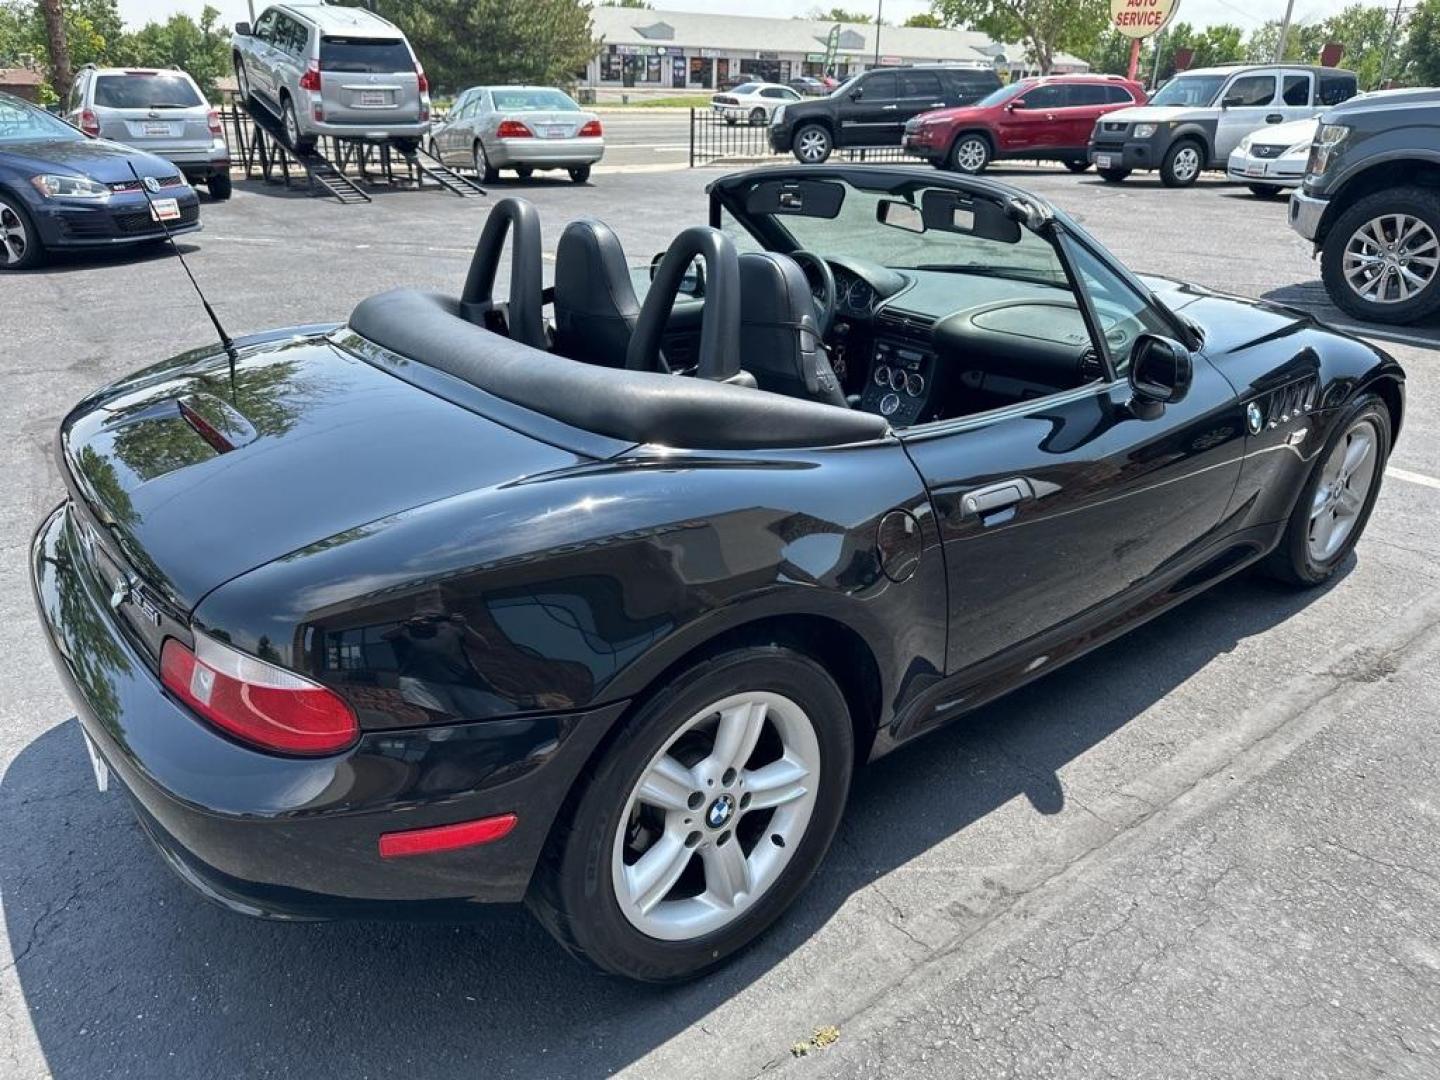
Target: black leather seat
(595,304)
(779,338)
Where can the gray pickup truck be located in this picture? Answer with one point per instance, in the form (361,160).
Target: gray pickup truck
(1370,203)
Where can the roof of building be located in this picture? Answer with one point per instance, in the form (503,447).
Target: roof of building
(689,29)
(21,77)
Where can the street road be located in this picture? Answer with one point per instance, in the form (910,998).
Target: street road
(645,137)
(1211,849)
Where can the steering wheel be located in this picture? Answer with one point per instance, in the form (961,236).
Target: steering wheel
(824,304)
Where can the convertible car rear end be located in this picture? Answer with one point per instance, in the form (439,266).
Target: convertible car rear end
(598,608)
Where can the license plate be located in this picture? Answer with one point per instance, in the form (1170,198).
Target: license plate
(1102,161)
(164,209)
(372,99)
(1255,169)
(555,132)
(156,131)
(97,764)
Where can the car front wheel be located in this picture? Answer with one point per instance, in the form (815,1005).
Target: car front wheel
(20,247)
(1381,258)
(812,144)
(709,813)
(757,116)
(299,143)
(1264,191)
(970,154)
(1182,164)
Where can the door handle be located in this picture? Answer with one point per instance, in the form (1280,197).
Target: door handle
(1049,116)
(1274,118)
(995,503)
(888,108)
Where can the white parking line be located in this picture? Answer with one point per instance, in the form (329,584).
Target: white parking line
(1412,477)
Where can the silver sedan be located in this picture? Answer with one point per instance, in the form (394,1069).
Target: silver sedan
(518,127)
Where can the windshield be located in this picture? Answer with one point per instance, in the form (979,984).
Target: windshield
(20,123)
(856,231)
(383,56)
(146,92)
(523,100)
(1189,90)
(1000,95)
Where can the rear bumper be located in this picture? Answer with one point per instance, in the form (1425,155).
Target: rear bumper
(545,153)
(1306,214)
(298,838)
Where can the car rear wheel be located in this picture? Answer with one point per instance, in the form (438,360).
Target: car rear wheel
(1264,191)
(524,172)
(704,820)
(580,174)
(488,173)
(220,186)
(757,116)
(1335,504)
(1182,164)
(1381,258)
(970,154)
(812,144)
(20,247)
(1077,165)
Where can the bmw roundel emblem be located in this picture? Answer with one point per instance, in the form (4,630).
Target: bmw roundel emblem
(720,812)
(151,184)
(1254,418)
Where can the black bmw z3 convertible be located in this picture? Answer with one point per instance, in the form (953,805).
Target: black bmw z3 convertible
(594,597)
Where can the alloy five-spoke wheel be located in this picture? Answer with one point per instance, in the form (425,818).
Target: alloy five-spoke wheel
(17,248)
(716,816)
(1391,259)
(1344,486)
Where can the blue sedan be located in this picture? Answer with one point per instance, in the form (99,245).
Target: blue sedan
(60,188)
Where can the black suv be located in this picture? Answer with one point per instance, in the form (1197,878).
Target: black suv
(1370,203)
(871,109)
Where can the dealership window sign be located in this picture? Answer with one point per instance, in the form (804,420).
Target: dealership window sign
(1139,19)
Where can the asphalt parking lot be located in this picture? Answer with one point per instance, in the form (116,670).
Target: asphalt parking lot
(1211,849)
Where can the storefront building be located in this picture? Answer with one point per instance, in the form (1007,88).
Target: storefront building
(680,50)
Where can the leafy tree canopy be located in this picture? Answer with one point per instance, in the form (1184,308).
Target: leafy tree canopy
(1421,56)
(925,19)
(1044,27)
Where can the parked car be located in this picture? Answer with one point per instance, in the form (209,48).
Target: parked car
(752,102)
(162,111)
(872,108)
(1273,158)
(1046,118)
(522,128)
(62,188)
(811,86)
(1197,118)
(604,622)
(1370,203)
(323,69)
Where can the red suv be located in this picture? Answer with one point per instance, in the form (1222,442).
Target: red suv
(1049,117)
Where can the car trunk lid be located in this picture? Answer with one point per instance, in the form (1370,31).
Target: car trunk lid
(185,479)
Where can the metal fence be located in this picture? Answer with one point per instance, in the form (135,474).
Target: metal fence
(714,139)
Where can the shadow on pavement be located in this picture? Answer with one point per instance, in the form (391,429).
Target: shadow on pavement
(124,972)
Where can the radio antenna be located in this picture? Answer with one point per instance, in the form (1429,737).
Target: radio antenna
(225,342)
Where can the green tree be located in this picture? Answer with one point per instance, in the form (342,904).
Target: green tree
(1302,43)
(1044,27)
(1220,44)
(15,32)
(839,14)
(464,42)
(1420,60)
(630,4)
(1364,31)
(202,49)
(926,20)
(1110,55)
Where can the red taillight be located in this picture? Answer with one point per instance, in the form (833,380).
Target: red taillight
(513,129)
(420,77)
(213,117)
(256,702)
(311,79)
(88,123)
(591,130)
(445,837)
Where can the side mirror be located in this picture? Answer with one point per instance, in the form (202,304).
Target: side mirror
(1018,104)
(856,94)
(1161,370)
(1231,100)
(242,29)
(692,283)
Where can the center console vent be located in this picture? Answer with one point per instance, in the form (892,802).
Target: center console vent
(904,324)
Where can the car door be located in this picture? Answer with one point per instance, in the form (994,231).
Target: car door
(1249,101)
(1065,511)
(1297,94)
(260,62)
(867,111)
(1087,103)
(919,92)
(1033,120)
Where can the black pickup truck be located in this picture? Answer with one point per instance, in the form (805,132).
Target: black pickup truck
(1370,203)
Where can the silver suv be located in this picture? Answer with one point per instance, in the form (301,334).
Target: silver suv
(325,70)
(159,111)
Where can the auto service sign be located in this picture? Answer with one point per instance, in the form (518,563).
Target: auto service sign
(1141,18)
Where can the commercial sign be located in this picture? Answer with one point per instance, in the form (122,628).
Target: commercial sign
(1141,18)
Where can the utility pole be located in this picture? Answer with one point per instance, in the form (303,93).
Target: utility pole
(1389,45)
(879,9)
(1284,32)
(1159,46)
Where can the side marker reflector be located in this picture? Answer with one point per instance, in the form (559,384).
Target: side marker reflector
(446,837)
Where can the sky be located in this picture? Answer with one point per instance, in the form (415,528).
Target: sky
(1247,14)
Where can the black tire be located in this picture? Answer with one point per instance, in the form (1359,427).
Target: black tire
(730,120)
(1263,191)
(301,144)
(1291,561)
(31,251)
(1077,165)
(220,186)
(407,146)
(1416,202)
(816,135)
(524,172)
(757,117)
(580,174)
(573,891)
(1175,169)
(1113,176)
(970,153)
(242,81)
(488,173)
